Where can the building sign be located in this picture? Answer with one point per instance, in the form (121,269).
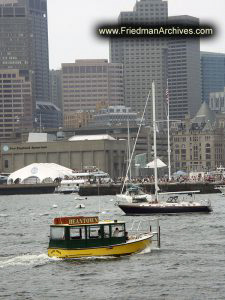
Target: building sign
(76,220)
(27,148)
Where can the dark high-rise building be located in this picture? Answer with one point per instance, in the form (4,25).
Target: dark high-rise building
(144,59)
(184,76)
(213,73)
(55,83)
(24,42)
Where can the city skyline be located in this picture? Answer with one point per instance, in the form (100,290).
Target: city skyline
(74,36)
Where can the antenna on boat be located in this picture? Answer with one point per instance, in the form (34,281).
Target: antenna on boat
(154,140)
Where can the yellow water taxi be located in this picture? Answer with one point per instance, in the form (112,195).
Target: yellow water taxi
(80,236)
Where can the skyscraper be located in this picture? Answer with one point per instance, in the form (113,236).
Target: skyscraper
(88,83)
(15,101)
(184,75)
(213,73)
(24,41)
(144,59)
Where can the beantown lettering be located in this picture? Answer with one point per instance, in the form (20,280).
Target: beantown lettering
(76,220)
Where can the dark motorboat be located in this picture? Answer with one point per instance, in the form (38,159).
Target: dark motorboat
(172,205)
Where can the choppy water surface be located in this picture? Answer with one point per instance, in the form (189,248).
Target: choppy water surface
(189,265)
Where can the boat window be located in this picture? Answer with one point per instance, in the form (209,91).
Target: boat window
(77,233)
(57,233)
(118,230)
(94,232)
(106,231)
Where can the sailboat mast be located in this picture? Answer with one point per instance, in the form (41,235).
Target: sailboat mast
(154,141)
(128,145)
(168,130)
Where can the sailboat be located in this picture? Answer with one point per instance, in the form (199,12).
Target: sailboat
(133,193)
(172,204)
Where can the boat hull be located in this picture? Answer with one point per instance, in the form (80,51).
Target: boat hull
(132,209)
(130,247)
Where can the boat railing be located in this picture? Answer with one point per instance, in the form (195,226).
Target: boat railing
(139,227)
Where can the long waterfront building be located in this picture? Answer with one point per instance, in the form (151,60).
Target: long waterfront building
(104,152)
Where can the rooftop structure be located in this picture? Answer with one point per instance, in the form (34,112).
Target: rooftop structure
(48,115)
(94,137)
(113,115)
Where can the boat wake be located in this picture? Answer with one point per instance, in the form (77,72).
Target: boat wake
(90,259)
(27,260)
(146,250)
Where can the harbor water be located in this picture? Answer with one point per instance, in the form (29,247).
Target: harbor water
(189,265)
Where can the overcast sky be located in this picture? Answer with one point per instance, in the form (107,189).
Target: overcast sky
(71,25)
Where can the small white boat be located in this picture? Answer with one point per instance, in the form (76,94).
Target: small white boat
(80,198)
(221,188)
(69,186)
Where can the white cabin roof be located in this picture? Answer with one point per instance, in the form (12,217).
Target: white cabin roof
(94,137)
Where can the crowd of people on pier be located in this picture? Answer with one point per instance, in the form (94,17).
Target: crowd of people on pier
(150,179)
(174,179)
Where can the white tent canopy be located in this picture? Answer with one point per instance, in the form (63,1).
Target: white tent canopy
(160,164)
(39,173)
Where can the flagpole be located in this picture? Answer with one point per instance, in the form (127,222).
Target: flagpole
(168,131)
